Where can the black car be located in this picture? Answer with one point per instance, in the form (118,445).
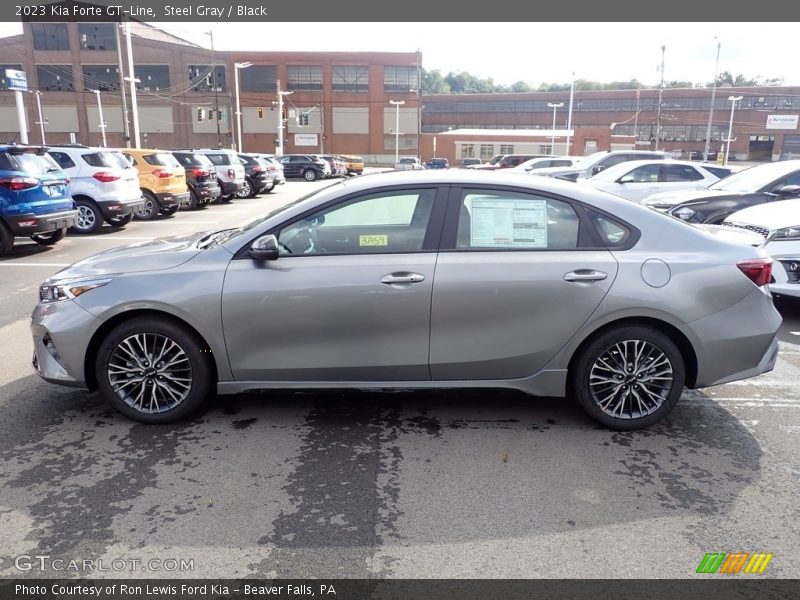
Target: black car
(437,163)
(256,177)
(303,165)
(756,185)
(201,178)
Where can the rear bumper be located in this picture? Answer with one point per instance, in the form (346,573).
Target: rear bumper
(231,187)
(32,223)
(119,208)
(207,192)
(170,199)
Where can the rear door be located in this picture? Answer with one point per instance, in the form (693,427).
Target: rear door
(518,273)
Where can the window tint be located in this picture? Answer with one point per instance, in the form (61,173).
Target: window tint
(218,159)
(492,220)
(28,163)
(161,159)
(560,163)
(614,160)
(62,159)
(100,159)
(679,173)
(247,160)
(644,174)
(387,222)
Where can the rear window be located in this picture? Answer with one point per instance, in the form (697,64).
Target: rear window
(218,159)
(101,159)
(123,160)
(194,160)
(162,159)
(248,160)
(31,164)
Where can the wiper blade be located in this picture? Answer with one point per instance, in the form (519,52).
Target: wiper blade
(212,239)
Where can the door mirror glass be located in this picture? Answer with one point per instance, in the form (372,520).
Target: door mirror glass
(264,248)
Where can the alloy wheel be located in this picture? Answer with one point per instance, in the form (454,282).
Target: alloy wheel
(86,218)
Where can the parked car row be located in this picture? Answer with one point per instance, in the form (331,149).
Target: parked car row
(320,166)
(46,190)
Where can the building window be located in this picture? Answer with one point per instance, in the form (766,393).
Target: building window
(259,78)
(545,149)
(487,151)
(467,150)
(304,78)
(3,70)
(350,79)
(203,78)
(400,79)
(55,78)
(100,77)
(50,36)
(97,36)
(152,78)
(506,148)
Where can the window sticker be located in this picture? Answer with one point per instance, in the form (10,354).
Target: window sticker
(509,223)
(373,240)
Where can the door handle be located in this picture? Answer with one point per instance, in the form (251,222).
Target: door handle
(402,278)
(585,275)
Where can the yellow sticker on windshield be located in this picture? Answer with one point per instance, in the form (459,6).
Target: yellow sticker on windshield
(373,240)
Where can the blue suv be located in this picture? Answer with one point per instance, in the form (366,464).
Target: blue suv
(35,199)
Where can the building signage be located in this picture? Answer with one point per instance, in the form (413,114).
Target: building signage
(782,121)
(16,80)
(305,139)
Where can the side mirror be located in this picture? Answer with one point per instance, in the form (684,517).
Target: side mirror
(597,169)
(625,179)
(264,248)
(789,190)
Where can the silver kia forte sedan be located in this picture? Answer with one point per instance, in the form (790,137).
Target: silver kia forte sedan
(430,279)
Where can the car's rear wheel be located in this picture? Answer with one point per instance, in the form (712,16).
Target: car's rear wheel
(246,191)
(121,220)
(310,175)
(150,209)
(49,238)
(194,201)
(6,239)
(227,198)
(628,377)
(90,218)
(153,370)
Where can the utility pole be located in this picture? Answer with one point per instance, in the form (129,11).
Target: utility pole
(711,109)
(41,121)
(279,149)
(102,121)
(397,104)
(121,70)
(214,85)
(660,94)
(132,80)
(568,149)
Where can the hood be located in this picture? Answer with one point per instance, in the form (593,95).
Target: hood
(155,255)
(732,234)
(668,199)
(772,215)
(554,171)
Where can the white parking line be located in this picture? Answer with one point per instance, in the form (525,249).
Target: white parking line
(31,264)
(115,237)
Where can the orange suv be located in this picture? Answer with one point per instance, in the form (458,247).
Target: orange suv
(162,179)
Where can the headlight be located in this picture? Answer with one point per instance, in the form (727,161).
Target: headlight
(684,213)
(787,233)
(56,292)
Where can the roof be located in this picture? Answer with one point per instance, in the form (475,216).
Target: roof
(542,133)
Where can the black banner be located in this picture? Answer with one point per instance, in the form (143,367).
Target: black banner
(728,588)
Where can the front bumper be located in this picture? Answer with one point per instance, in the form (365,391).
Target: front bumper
(61,333)
(785,268)
(31,223)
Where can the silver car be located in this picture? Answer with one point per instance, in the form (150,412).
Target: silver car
(449,278)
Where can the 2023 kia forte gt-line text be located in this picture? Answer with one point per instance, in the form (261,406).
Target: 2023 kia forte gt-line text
(418,280)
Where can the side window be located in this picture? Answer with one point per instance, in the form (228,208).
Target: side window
(560,163)
(492,220)
(793,179)
(613,160)
(387,222)
(613,233)
(63,160)
(679,173)
(644,174)
(130,158)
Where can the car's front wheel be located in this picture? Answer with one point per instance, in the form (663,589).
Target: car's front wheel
(628,377)
(310,175)
(153,370)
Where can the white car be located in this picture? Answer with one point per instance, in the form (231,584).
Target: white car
(531,166)
(637,179)
(779,223)
(408,163)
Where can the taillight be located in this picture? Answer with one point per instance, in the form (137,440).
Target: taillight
(258,169)
(231,173)
(199,173)
(758,270)
(16,184)
(105,177)
(162,173)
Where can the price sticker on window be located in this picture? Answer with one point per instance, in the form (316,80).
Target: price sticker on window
(373,240)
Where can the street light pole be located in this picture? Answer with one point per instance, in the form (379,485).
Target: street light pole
(568,150)
(713,98)
(397,104)
(660,95)
(41,121)
(102,121)
(131,78)
(555,107)
(236,67)
(733,100)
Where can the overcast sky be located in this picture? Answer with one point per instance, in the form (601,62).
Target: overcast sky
(533,52)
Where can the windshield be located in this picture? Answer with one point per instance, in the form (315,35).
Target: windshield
(591,160)
(754,178)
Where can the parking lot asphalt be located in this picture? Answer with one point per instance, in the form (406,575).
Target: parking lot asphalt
(468,483)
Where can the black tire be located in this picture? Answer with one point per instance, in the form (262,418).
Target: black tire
(49,238)
(151,208)
(310,175)
(226,199)
(90,218)
(189,376)
(269,188)
(247,191)
(170,210)
(194,201)
(6,239)
(121,220)
(642,396)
